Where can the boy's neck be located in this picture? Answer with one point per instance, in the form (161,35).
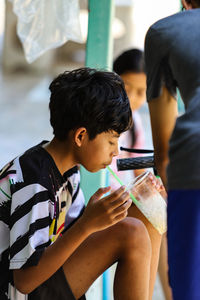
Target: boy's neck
(61,154)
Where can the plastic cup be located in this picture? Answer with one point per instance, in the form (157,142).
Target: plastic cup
(150,201)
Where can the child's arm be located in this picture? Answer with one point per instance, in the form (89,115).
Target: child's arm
(98,215)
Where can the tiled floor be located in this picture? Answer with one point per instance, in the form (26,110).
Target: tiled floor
(24,121)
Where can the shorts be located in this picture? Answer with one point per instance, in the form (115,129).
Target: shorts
(184,243)
(56,287)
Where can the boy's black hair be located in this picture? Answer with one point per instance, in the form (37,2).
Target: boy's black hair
(197,2)
(88,98)
(130,61)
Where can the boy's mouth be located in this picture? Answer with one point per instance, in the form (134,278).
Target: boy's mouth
(107,164)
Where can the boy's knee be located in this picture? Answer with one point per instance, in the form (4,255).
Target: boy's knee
(134,237)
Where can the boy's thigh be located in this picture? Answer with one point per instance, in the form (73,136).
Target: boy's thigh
(98,252)
(56,287)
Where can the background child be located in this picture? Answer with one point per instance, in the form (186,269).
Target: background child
(130,66)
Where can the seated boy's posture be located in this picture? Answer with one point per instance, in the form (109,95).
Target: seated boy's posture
(51,246)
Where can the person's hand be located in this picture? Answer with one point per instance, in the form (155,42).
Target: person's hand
(157,182)
(101,213)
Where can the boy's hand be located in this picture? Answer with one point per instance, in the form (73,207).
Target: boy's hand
(101,213)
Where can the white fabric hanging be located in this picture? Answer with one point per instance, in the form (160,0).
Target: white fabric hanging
(46,24)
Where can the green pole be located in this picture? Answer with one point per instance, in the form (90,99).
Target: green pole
(100,42)
(99,51)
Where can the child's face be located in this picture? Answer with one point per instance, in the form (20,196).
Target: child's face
(96,154)
(135,85)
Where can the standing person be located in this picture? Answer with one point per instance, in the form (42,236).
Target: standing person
(172,60)
(52,247)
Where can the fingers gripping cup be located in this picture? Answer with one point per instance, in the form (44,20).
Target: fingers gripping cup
(149,201)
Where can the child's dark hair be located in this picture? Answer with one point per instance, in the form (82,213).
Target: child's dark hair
(88,98)
(197,2)
(130,61)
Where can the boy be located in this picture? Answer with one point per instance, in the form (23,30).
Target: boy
(51,246)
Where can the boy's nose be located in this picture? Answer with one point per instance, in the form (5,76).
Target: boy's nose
(116,151)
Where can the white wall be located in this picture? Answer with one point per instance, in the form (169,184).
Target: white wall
(146,12)
(2,22)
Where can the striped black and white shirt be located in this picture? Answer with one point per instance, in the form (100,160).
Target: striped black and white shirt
(36,204)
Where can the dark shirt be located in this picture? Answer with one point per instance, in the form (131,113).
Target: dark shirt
(172,58)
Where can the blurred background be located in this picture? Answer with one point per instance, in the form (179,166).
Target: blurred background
(24,94)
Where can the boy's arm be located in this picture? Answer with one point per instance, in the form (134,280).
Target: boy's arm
(163,114)
(99,214)
(53,257)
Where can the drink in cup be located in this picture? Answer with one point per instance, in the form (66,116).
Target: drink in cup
(149,201)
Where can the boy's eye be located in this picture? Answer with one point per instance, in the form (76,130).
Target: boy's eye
(111,143)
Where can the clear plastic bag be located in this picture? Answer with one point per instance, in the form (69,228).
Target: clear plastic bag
(46,24)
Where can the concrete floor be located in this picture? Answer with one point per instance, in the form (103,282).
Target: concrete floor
(24,121)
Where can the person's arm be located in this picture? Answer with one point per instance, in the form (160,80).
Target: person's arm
(53,257)
(161,93)
(99,214)
(139,140)
(163,114)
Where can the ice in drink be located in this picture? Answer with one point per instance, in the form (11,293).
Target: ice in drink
(150,202)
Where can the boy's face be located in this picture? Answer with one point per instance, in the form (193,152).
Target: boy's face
(135,85)
(96,154)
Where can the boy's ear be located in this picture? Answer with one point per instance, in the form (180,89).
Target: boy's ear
(187,5)
(80,135)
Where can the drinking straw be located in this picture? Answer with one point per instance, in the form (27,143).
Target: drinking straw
(135,201)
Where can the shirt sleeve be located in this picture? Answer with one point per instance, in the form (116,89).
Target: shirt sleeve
(157,53)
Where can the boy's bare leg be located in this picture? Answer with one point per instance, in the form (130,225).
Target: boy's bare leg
(155,245)
(127,243)
(163,269)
